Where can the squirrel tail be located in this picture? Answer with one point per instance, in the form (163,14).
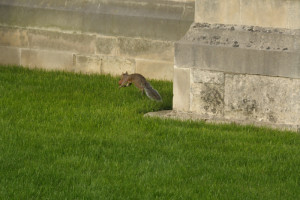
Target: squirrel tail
(152,93)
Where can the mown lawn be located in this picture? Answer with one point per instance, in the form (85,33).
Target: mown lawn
(72,136)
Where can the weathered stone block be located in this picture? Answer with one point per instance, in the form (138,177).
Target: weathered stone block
(207,99)
(14,37)
(49,60)
(116,65)
(262,99)
(181,89)
(147,49)
(207,92)
(62,41)
(9,55)
(155,69)
(87,64)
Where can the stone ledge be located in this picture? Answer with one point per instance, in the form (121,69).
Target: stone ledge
(227,48)
(242,36)
(185,116)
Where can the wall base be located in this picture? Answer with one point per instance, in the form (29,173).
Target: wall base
(242,74)
(191,116)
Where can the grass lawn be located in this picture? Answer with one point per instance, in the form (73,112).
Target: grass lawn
(72,136)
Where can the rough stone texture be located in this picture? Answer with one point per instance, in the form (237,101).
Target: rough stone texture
(155,69)
(207,99)
(265,13)
(9,55)
(50,60)
(262,98)
(181,89)
(207,92)
(243,36)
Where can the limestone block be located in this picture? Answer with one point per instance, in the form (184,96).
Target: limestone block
(207,99)
(62,41)
(14,37)
(9,55)
(115,65)
(207,92)
(263,99)
(155,69)
(181,89)
(87,64)
(147,49)
(49,60)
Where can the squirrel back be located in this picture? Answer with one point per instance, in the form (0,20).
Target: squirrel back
(140,82)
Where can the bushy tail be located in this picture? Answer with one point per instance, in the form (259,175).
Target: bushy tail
(152,93)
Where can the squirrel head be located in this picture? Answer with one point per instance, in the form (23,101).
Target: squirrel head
(123,76)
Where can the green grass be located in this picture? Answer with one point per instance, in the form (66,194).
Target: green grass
(72,136)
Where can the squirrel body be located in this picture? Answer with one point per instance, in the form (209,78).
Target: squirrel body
(141,83)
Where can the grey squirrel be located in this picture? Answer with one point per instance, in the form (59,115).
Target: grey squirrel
(140,82)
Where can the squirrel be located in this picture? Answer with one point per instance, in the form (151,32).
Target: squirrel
(141,83)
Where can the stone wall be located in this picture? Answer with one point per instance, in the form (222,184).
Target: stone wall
(240,62)
(96,36)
